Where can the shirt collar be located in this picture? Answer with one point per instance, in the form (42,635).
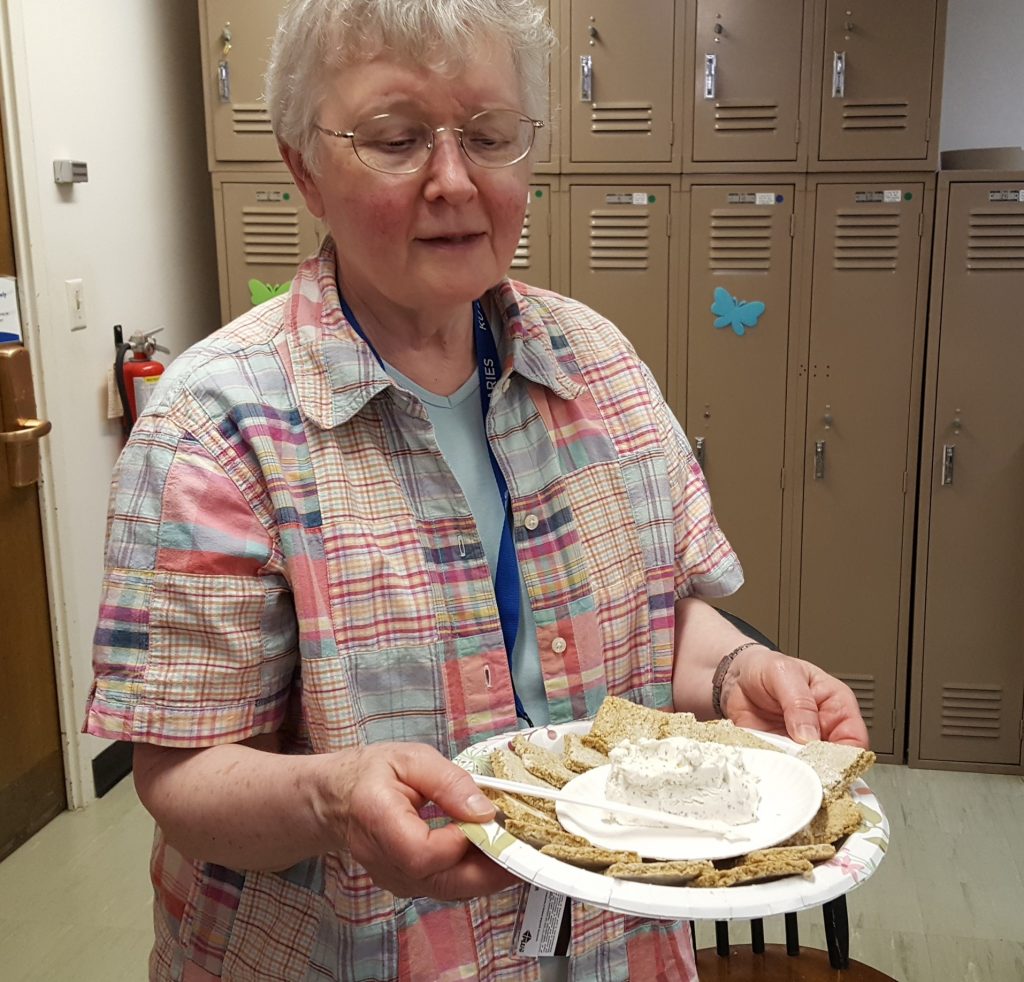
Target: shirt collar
(336,374)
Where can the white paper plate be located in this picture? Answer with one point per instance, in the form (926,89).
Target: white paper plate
(858,858)
(790,797)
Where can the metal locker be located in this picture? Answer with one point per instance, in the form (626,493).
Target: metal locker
(619,82)
(880,84)
(738,317)
(746,83)
(264,231)
(968,698)
(618,243)
(868,271)
(236,37)
(532,261)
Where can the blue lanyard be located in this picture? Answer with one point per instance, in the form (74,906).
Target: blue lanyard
(506,575)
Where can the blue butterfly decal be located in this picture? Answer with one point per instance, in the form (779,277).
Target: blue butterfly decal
(737,314)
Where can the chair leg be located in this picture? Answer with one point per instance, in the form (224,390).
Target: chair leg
(757,936)
(837,932)
(722,938)
(792,935)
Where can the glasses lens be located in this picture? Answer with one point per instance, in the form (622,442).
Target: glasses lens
(497,137)
(392,144)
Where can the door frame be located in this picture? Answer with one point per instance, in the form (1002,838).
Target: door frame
(22,163)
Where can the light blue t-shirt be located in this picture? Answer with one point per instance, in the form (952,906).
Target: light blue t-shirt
(459,428)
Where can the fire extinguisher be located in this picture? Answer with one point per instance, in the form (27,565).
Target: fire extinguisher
(133,375)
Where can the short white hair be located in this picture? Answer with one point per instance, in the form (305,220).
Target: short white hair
(316,37)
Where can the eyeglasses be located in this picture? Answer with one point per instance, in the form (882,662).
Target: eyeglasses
(395,144)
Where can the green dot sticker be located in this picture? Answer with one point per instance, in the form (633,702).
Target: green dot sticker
(651,199)
(538,193)
(909,196)
(286,196)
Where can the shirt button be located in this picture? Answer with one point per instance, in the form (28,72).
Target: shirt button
(558,645)
(531,522)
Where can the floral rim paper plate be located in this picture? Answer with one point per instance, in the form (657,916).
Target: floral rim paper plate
(853,863)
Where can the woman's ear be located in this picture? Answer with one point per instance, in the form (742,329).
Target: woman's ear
(305,181)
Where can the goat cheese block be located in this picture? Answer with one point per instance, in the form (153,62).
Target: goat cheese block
(683,777)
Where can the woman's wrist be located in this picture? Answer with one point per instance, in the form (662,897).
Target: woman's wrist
(719,679)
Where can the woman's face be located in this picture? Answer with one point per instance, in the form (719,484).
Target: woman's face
(436,239)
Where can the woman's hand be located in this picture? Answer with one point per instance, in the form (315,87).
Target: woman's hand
(378,792)
(766,690)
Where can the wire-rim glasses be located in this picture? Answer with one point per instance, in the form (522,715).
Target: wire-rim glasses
(396,144)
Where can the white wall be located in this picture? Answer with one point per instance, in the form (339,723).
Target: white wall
(116,83)
(983,91)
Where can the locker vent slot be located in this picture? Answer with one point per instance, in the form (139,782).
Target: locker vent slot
(867,240)
(522,257)
(732,117)
(996,240)
(248,118)
(875,115)
(621,117)
(741,240)
(970,710)
(864,689)
(270,235)
(620,240)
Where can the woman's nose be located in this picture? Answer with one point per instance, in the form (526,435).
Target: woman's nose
(448,169)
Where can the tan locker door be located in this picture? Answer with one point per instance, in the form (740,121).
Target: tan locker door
(541,153)
(747,102)
(618,262)
(864,295)
(878,108)
(626,115)
(267,232)
(241,123)
(736,384)
(532,261)
(972,671)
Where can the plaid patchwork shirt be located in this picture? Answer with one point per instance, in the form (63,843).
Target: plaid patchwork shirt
(288,551)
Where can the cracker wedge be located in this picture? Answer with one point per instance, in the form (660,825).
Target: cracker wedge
(539,834)
(542,763)
(618,720)
(721,731)
(815,853)
(754,873)
(580,758)
(834,821)
(509,767)
(669,874)
(589,857)
(836,764)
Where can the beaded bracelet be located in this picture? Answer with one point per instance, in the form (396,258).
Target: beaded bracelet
(719,676)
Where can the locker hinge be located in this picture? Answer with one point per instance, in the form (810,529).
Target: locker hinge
(904,482)
(668,226)
(928,130)
(782,478)
(920,224)
(1020,730)
(796,137)
(672,133)
(792,224)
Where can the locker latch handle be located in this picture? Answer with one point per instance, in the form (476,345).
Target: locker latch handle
(224,80)
(819,459)
(699,451)
(710,75)
(586,78)
(838,74)
(948,453)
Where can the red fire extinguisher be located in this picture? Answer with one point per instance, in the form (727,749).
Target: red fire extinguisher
(135,376)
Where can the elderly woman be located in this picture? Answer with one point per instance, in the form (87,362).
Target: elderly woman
(407,506)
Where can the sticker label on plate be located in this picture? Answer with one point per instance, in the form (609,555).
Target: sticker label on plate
(543,926)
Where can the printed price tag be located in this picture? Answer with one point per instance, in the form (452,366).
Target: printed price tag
(543,925)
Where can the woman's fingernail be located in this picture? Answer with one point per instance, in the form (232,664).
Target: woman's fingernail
(479,804)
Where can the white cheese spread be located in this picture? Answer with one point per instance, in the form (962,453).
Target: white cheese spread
(683,777)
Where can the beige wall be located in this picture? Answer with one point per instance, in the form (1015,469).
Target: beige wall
(115,83)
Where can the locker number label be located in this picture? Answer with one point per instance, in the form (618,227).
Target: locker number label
(754,198)
(633,198)
(1006,195)
(878,197)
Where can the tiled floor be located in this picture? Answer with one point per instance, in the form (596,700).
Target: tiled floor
(947,905)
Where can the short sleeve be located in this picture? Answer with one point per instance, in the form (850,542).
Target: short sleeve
(196,638)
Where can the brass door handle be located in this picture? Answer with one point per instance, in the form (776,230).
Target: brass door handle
(30,430)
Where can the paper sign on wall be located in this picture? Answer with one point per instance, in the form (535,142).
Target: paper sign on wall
(10,316)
